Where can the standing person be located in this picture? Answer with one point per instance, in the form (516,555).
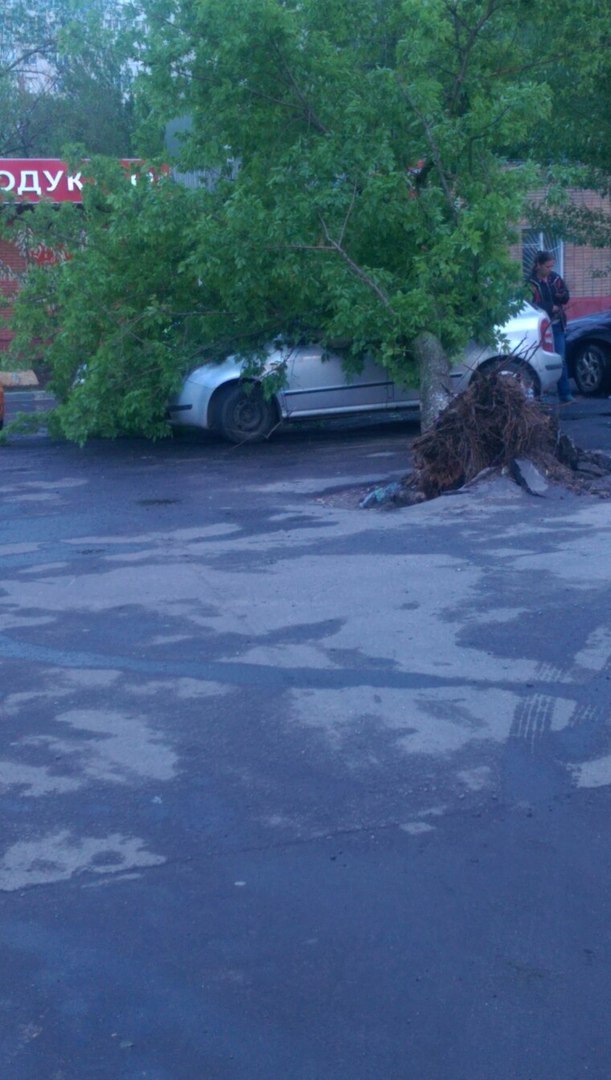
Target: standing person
(550,293)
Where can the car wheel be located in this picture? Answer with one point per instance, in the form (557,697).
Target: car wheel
(592,368)
(244,414)
(512,368)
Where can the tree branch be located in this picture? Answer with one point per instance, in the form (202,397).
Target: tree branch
(348,214)
(466,50)
(333,247)
(310,115)
(435,154)
(37,50)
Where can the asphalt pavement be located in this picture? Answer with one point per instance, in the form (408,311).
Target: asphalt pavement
(295,790)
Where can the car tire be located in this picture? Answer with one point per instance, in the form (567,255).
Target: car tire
(513,368)
(244,414)
(592,368)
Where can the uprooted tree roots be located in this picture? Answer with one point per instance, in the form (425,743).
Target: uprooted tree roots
(491,426)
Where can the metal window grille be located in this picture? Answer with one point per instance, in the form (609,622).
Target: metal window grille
(533,240)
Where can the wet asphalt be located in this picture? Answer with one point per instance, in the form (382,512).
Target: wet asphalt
(291,789)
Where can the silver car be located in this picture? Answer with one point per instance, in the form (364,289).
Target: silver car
(219,397)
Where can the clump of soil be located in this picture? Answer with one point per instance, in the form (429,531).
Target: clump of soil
(494,426)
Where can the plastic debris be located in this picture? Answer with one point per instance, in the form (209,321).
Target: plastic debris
(381,495)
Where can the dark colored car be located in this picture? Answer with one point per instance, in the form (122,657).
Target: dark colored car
(588,352)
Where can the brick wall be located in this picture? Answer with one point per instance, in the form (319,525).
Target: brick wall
(587,270)
(12,266)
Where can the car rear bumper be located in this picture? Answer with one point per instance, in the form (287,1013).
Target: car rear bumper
(552,370)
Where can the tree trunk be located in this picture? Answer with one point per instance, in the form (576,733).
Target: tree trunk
(434,377)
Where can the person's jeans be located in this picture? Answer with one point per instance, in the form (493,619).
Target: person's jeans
(564,386)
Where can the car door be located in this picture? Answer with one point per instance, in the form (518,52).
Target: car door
(317,384)
(404,397)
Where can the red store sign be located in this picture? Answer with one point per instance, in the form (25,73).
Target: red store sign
(32,179)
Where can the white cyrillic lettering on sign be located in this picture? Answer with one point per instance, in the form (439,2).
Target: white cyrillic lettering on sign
(75,182)
(29,185)
(53,180)
(11,180)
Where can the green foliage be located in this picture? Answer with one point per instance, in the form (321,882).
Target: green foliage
(23,424)
(329,226)
(575,60)
(114,321)
(65,77)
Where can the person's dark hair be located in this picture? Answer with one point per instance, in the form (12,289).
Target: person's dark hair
(540,258)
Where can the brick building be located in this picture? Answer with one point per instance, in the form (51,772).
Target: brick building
(587,270)
(12,267)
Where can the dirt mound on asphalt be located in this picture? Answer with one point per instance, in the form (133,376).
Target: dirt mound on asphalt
(493,425)
(485,427)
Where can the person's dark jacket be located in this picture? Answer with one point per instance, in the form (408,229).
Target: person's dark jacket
(550,294)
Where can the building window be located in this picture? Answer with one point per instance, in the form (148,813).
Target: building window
(533,240)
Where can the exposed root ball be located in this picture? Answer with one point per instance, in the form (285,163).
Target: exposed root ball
(486,426)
